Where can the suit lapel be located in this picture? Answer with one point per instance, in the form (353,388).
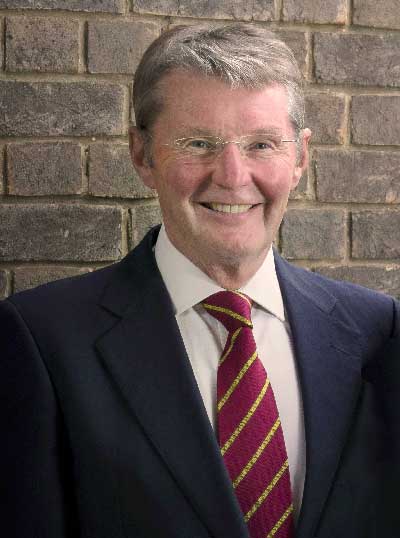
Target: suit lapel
(145,355)
(329,364)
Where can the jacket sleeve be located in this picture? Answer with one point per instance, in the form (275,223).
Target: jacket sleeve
(389,390)
(35,470)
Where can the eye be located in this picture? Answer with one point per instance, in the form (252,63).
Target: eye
(262,145)
(197,145)
(200,144)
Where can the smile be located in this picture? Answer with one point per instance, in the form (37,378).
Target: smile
(228,208)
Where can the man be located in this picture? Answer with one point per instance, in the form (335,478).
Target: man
(122,420)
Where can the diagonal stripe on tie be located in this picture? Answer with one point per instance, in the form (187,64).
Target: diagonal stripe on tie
(280,522)
(257,454)
(237,380)
(233,340)
(266,492)
(245,419)
(249,429)
(228,313)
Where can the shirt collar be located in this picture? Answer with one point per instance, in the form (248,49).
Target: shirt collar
(193,285)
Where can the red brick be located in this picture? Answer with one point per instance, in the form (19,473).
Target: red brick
(111,173)
(36,169)
(357,176)
(313,234)
(126,43)
(357,59)
(38,44)
(375,119)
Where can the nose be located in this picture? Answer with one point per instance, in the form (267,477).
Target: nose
(230,170)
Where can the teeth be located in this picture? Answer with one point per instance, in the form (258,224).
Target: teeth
(226,208)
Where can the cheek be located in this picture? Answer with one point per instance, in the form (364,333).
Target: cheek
(276,188)
(184,182)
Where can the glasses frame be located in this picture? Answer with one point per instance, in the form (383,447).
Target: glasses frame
(220,142)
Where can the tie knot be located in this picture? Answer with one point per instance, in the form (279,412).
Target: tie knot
(231,308)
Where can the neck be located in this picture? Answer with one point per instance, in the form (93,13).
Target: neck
(230,271)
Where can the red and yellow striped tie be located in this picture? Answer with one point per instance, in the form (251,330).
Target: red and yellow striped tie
(249,429)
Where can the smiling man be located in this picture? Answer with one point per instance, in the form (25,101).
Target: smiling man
(224,161)
(203,387)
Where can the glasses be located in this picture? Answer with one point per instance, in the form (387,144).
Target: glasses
(206,148)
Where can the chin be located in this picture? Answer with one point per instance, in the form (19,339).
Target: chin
(234,253)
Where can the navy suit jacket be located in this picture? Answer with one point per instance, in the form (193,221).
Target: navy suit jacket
(104,430)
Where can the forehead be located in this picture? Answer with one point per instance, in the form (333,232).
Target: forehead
(207,103)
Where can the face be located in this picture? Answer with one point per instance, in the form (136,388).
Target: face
(188,191)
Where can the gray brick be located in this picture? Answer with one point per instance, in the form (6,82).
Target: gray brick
(60,232)
(376,234)
(143,217)
(326,118)
(375,119)
(38,44)
(297,42)
(316,11)
(357,176)
(301,191)
(158,7)
(102,6)
(384,14)
(1,43)
(357,59)
(216,9)
(263,10)
(30,277)
(385,279)
(2,178)
(313,234)
(126,43)
(57,108)
(36,169)
(3,283)
(111,173)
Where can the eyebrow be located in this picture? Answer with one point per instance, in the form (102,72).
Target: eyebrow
(198,131)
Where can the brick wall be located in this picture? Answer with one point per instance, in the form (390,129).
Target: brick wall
(69,199)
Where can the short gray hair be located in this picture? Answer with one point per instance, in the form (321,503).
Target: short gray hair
(243,55)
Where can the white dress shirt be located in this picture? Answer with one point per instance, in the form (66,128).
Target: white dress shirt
(204,338)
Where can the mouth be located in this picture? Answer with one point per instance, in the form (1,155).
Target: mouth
(228,208)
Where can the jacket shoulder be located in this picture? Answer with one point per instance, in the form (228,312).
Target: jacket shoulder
(366,310)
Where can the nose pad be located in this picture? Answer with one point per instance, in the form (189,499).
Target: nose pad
(230,169)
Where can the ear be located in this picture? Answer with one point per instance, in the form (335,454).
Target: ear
(140,159)
(302,163)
